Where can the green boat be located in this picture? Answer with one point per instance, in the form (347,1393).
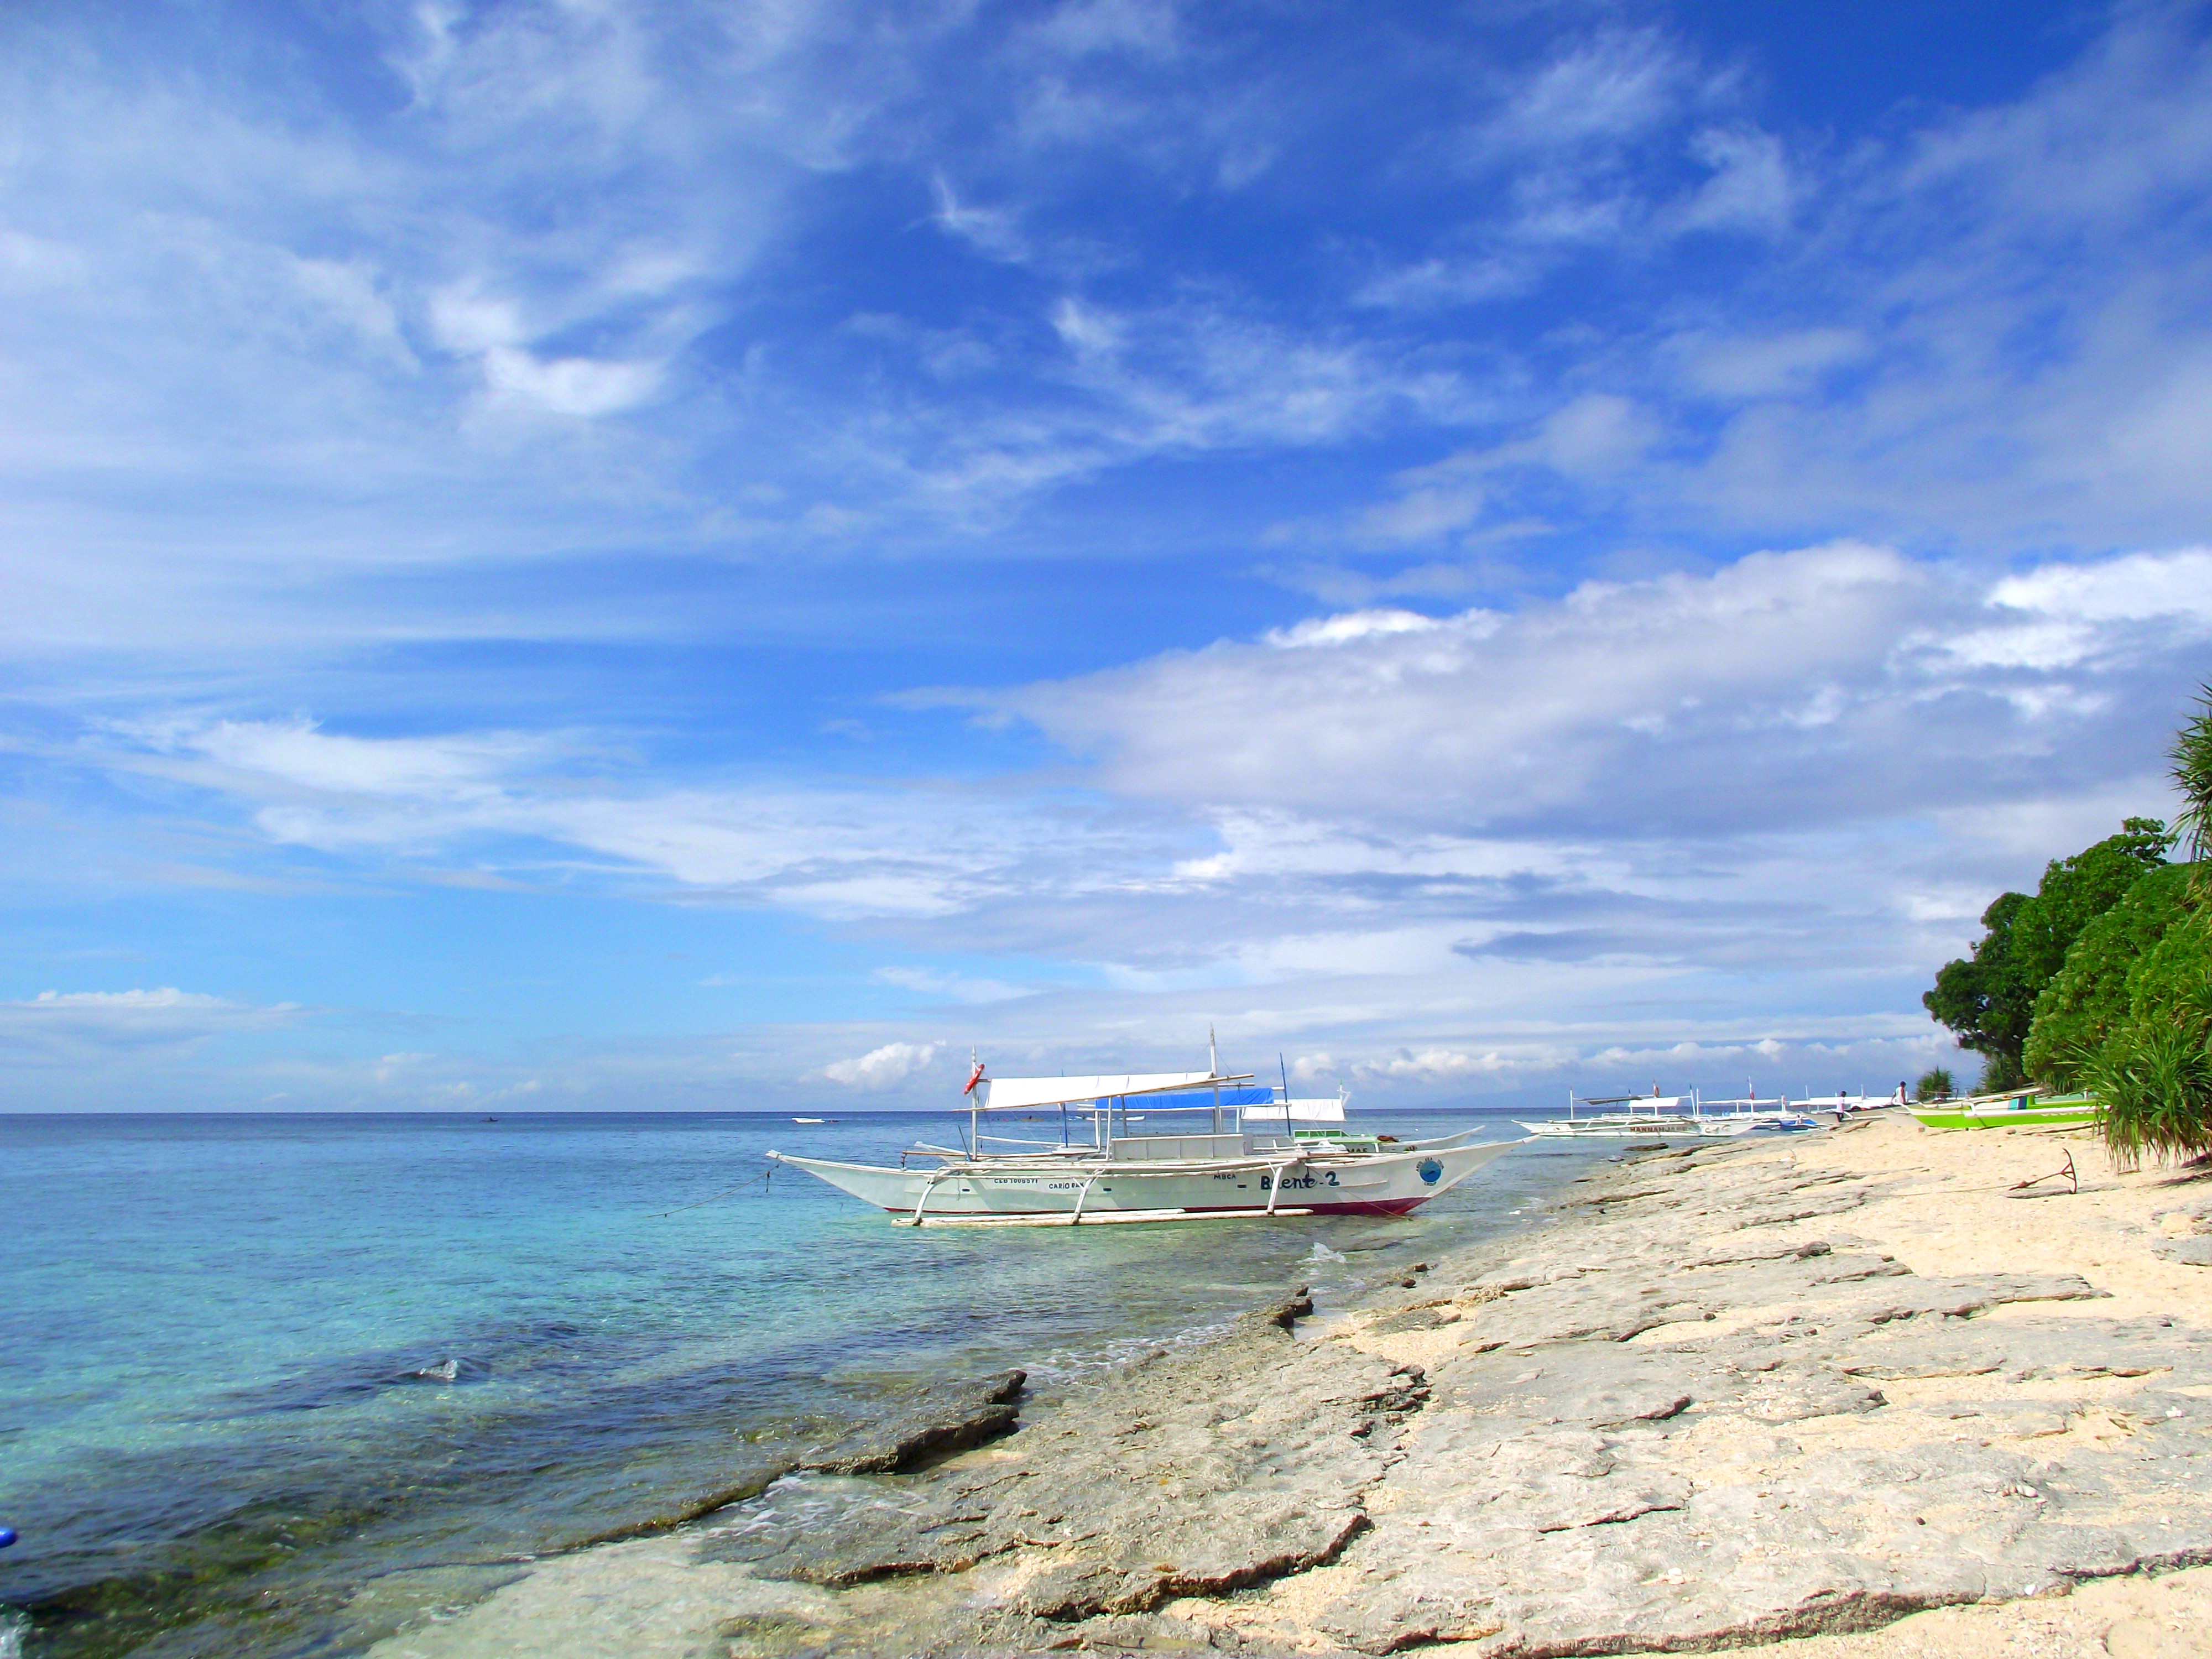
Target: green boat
(2023,1108)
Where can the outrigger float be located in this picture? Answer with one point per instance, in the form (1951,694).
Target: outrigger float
(1187,1151)
(2017,1108)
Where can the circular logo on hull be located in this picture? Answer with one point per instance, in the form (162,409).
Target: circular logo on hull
(1430,1171)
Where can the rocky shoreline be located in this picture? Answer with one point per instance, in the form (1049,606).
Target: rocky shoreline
(1720,1397)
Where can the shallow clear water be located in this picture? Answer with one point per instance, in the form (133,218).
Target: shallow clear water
(250,1363)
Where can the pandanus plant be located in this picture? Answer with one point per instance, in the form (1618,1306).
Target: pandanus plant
(2153,1075)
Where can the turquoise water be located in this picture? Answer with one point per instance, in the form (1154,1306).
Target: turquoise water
(252,1364)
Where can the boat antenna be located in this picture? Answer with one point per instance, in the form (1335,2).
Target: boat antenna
(1212,1052)
(1285,1071)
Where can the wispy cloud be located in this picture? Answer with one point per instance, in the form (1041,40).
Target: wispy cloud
(66,1027)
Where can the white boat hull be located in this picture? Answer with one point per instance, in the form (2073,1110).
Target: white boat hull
(1389,1183)
(1664,1128)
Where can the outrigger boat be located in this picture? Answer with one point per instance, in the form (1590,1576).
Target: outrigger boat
(2018,1108)
(1844,1105)
(1661,1116)
(1757,1114)
(1191,1155)
(1649,1116)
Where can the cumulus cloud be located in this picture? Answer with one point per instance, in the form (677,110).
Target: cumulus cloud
(1433,1066)
(879,1068)
(1680,703)
(1488,719)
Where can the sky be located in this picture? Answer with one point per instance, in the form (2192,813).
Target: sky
(595,555)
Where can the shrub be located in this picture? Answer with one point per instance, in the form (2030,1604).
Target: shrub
(2153,1075)
(1935,1084)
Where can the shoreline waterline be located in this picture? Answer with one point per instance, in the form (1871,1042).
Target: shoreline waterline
(279,1359)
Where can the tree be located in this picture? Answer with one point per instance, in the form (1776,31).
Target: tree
(2090,997)
(1935,1083)
(1984,997)
(1989,999)
(2075,892)
(2152,1074)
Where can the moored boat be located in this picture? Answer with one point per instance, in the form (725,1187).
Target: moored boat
(1652,1116)
(1186,1154)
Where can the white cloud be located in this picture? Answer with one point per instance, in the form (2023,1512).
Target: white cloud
(1750,188)
(1614,86)
(99,1028)
(1350,625)
(879,1068)
(1484,719)
(2069,603)
(2138,587)
(1761,366)
(1080,28)
(570,385)
(1434,1066)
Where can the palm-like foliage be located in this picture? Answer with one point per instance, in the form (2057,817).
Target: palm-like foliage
(2191,755)
(2153,1081)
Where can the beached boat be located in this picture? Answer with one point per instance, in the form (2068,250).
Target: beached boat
(1844,1105)
(1757,1114)
(1657,1116)
(1192,1155)
(2018,1108)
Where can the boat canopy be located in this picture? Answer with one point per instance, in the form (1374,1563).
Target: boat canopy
(1000,1094)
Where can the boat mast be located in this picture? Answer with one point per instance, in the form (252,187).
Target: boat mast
(1213,1071)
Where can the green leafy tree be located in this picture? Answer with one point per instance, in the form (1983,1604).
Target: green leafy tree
(2153,1074)
(1985,999)
(2091,996)
(2075,892)
(1935,1083)
(1989,999)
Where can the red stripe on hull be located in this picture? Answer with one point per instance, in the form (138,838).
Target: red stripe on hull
(1380,1206)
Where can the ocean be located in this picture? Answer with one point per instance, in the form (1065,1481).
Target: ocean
(252,1365)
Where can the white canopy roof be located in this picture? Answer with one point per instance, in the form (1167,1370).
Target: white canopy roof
(1325,1109)
(1000,1094)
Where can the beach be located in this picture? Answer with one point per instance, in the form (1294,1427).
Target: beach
(1857,1393)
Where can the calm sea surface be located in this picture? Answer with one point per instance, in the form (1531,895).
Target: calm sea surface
(251,1365)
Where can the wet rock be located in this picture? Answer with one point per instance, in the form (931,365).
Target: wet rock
(946,1420)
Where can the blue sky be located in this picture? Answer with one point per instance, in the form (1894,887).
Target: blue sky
(612,556)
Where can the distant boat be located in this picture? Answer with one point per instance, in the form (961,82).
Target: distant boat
(814,1120)
(1646,1115)
(1662,1116)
